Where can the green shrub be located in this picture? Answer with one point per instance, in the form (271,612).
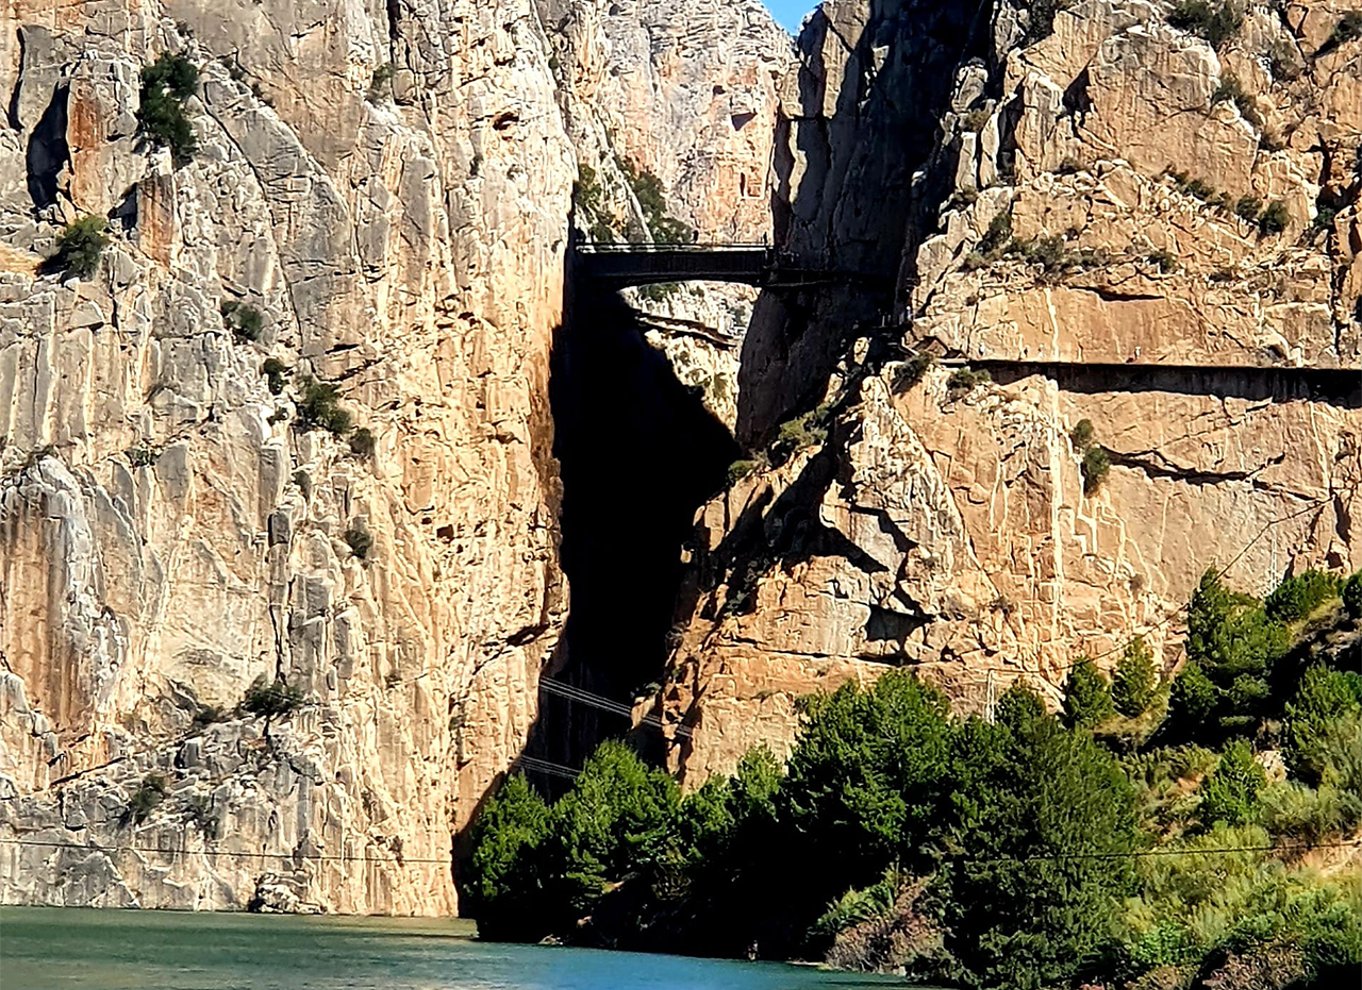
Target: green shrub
(1216,23)
(802,432)
(1230,90)
(359,541)
(1041,18)
(166,84)
(1087,696)
(1249,208)
(274,371)
(243,320)
(911,372)
(647,189)
(150,793)
(1284,61)
(740,469)
(207,715)
(964,380)
(362,442)
(997,237)
(80,246)
(1081,436)
(319,407)
(1164,260)
(1136,681)
(1298,596)
(1275,218)
(1349,28)
(380,83)
(1048,252)
(1352,596)
(1301,812)
(1095,467)
(271,698)
(1323,697)
(1230,793)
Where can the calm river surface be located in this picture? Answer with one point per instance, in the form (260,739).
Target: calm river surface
(71,949)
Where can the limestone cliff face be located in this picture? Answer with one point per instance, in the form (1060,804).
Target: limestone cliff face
(1073,207)
(690,97)
(388,184)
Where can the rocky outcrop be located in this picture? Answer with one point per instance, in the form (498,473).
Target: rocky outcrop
(1089,214)
(389,189)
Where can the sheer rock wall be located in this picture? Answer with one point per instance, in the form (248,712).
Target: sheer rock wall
(947,527)
(388,184)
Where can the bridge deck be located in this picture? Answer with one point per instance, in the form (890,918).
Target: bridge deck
(643,264)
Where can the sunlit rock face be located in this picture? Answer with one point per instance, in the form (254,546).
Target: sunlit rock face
(1083,205)
(389,187)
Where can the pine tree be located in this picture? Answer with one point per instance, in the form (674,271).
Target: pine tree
(1136,680)
(1087,696)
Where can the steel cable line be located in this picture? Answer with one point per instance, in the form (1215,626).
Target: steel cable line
(572,693)
(957,857)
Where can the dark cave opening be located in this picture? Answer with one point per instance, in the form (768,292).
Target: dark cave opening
(639,453)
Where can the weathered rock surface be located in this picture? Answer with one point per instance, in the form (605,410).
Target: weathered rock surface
(389,187)
(946,526)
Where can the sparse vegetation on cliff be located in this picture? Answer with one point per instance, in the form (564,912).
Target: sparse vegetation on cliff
(243,320)
(360,542)
(81,246)
(150,793)
(1215,22)
(1022,853)
(271,698)
(319,407)
(166,84)
(911,372)
(647,187)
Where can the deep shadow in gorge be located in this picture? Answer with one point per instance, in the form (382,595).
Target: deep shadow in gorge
(638,453)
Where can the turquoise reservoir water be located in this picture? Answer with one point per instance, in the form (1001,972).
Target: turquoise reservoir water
(70,949)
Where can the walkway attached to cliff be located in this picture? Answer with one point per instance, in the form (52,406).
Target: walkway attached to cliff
(623,264)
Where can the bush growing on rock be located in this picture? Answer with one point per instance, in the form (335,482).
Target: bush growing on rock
(149,793)
(274,371)
(1298,596)
(243,320)
(359,541)
(362,442)
(1275,218)
(319,407)
(1249,208)
(911,372)
(1216,23)
(1095,468)
(1081,436)
(1348,28)
(964,380)
(271,698)
(166,84)
(80,246)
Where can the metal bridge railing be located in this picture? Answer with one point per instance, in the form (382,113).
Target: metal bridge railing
(660,247)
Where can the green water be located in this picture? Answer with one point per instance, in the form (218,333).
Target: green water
(70,949)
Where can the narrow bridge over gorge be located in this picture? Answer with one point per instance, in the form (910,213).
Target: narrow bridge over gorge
(619,265)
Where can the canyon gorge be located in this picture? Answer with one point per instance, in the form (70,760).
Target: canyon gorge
(431,469)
